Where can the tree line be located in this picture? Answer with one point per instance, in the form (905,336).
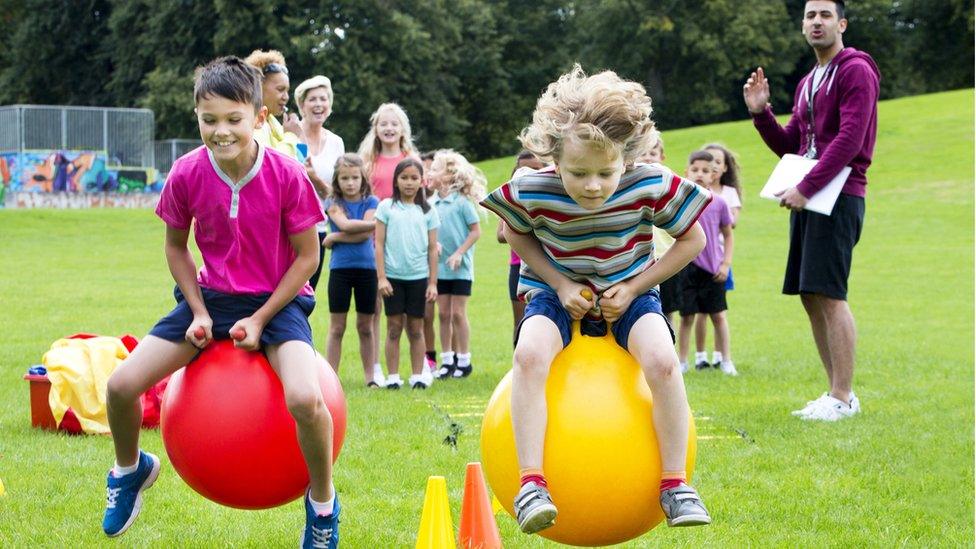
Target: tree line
(468,72)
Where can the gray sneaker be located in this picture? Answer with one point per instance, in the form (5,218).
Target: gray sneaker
(534,509)
(683,507)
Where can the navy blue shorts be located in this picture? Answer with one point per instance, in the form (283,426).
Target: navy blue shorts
(290,324)
(547,304)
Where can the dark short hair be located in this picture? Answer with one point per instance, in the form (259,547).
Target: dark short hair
(840,8)
(700,155)
(231,78)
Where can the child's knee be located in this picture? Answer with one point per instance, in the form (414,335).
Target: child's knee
(306,405)
(337,329)
(658,363)
(531,360)
(415,331)
(120,388)
(364,326)
(444,314)
(458,316)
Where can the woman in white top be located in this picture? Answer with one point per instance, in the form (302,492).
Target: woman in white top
(314,100)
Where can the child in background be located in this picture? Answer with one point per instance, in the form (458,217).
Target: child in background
(704,279)
(387,142)
(352,265)
(726,184)
(527,160)
(594,128)
(460,186)
(406,266)
(253,212)
(430,354)
(670,288)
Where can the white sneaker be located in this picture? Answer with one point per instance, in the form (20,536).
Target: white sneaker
(832,409)
(728,368)
(418,381)
(811,404)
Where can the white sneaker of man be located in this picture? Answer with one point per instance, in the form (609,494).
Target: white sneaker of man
(833,409)
(811,404)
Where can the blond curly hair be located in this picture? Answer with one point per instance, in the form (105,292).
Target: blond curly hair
(465,178)
(603,109)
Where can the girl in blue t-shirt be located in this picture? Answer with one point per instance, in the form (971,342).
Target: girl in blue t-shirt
(406,267)
(352,265)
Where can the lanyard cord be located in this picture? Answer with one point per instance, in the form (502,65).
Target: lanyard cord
(811,93)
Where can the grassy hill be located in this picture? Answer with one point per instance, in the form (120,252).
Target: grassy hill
(899,474)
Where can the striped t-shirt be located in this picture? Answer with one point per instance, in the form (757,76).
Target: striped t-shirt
(604,246)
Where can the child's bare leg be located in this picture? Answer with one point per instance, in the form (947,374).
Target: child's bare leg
(722,342)
(415,334)
(701,332)
(444,305)
(376,328)
(296,366)
(539,343)
(650,343)
(364,325)
(684,335)
(394,327)
(333,345)
(429,336)
(459,320)
(152,360)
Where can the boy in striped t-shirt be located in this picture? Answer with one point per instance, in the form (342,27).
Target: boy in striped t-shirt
(583,226)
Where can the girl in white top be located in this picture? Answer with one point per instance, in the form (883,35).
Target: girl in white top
(314,100)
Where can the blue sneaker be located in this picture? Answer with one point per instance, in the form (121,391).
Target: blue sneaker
(125,495)
(321,532)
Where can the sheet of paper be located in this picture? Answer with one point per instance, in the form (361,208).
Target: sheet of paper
(791,170)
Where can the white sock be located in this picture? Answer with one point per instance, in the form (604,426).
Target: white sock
(701,357)
(377,369)
(119,471)
(684,366)
(716,357)
(464,360)
(322,509)
(393,378)
(447,358)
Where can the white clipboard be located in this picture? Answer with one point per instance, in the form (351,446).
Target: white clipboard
(791,170)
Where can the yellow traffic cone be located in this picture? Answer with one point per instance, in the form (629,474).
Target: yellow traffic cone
(436,528)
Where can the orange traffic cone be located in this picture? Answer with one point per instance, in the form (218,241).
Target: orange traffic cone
(478,528)
(436,530)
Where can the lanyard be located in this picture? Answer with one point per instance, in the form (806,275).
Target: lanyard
(811,93)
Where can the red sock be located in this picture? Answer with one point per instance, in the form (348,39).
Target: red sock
(672,479)
(533,475)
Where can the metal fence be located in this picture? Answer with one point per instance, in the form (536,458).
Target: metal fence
(168,150)
(124,135)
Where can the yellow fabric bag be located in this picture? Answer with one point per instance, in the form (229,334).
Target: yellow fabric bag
(78,370)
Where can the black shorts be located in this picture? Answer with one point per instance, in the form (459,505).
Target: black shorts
(821,249)
(343,283)
(699,293)
(453,287)
(671,294)
(513,278)
(409,296)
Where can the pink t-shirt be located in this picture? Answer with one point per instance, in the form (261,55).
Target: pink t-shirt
(514,259)
(242,230)
(382,176)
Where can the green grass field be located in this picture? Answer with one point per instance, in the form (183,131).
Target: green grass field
(900,474)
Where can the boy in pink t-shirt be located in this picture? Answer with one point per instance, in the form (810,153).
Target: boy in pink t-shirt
(253,212)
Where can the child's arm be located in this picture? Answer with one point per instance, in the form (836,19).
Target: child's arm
(527,246)
(500,232)
(184,271)
(306,245)
(346,225)
(344,237)
(735,215)
(432,253)
(723,270)
(384,286)
(686,247)
(474,233)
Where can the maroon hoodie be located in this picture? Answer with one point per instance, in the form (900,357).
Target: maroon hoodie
(846,121)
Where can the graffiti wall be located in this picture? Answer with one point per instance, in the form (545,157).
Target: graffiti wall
(53,179)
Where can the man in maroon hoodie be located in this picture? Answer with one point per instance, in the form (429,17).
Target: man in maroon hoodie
(840,97)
